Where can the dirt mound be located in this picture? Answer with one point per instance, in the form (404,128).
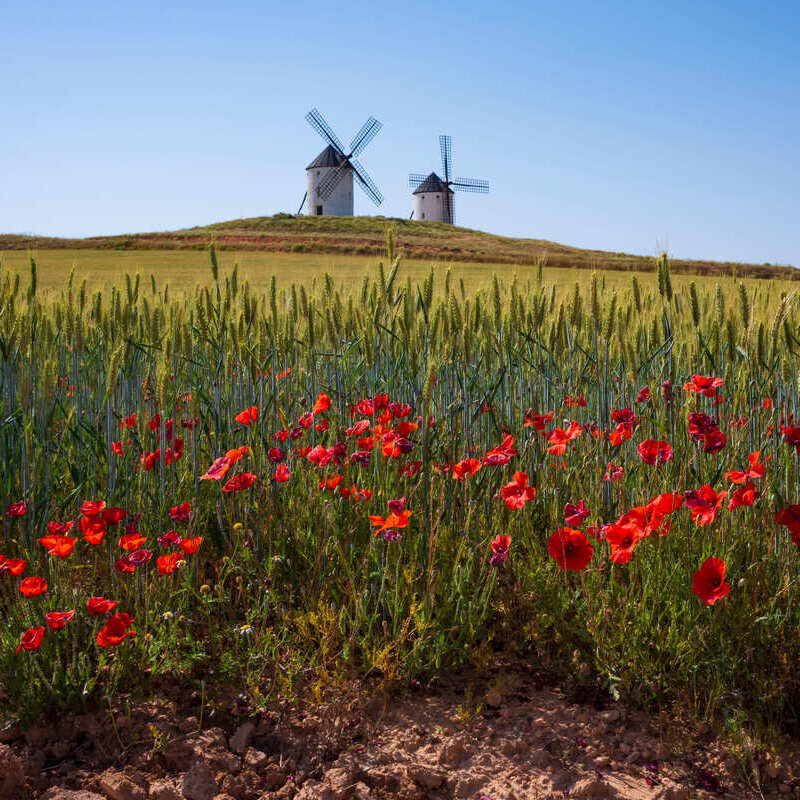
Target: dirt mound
(512,740)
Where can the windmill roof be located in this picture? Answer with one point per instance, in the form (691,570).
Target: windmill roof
(329,157)
(433,183)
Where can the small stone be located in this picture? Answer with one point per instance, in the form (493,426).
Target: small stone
(255,759)
(468,787)
(162,790)
(12,776)
(199,783)
(590,787)
(117,786)
(427,777)
(452,753)
(274,777)
(772,770)
(241,738)
(612,715)
(540,758)
(601,762)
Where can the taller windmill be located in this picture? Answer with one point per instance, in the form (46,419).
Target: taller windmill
(434,196)
(329,177)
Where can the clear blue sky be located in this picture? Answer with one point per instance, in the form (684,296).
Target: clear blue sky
(631,126)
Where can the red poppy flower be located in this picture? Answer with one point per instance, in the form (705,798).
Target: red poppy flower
(93,529)
(169,563)
(248,416)
(559,438)
(756,470)
(128,422)
(92,508)
(56,620)
(99,605)
(500,455)
(116,449)
(574,515)
(708,583)
(132,541)
(281,474)
(191,546)
(613,472)
(170,538)
(400,410)
(644,395)
(623,537)
(276,455)
(116,630)
(790,517)
(500,545)
(13,566)
(653,452)
(713,441)
(663,504)
(239,482)
(31,639)
(465,469)
(218,470)
(517,493)
(57,545)
(704,503)
(699,425)
(362,458)
(570,548)
(577,400)
(182,512)
(17,509)
(700,384)
(113,516)
(359,428)
(744,496)
(792,436)
(391,521)
(538,421)
(60,527)
(411,469)
(394,446)
(323,403)
(32,587)
(397,506)
(320,456)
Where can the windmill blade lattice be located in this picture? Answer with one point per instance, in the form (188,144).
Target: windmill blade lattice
(369,130)
(446,149)
(471,185)
(366,182)
(348,162)
(317,122)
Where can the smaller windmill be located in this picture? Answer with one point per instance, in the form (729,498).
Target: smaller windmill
(329,177)
(434,196)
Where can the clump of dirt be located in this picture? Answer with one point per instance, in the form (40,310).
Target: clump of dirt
(509,739)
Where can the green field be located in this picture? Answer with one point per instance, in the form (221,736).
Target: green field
(186,269)
(345,241)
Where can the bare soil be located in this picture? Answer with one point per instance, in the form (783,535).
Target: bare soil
(506,738)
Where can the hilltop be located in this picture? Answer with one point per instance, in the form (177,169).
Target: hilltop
(366,236)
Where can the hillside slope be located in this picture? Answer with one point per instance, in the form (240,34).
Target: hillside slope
(366,236)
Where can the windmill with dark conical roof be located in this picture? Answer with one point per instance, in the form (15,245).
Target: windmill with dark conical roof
(329,177)
(434,196)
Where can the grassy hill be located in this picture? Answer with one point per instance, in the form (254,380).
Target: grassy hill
(430,241)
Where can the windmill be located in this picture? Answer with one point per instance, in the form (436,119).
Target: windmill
(433,196)
(329,177)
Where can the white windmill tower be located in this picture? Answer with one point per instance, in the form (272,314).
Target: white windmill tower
(329,177)
(434,196)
